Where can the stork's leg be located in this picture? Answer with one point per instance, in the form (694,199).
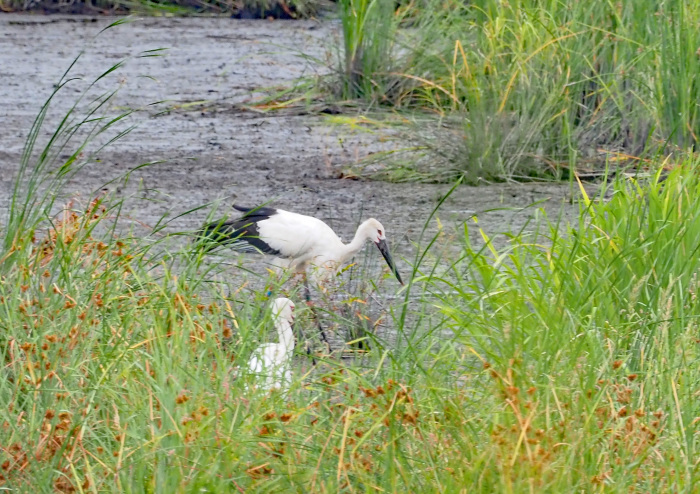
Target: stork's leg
(307,291)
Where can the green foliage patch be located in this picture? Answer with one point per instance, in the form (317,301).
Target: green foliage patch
(532,88)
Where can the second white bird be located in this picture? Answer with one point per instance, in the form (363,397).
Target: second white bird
(271,363)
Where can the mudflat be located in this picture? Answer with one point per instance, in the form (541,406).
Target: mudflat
(208,149)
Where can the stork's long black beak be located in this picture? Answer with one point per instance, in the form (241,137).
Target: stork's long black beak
(384,249)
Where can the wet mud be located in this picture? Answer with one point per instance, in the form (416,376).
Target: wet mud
(209,150)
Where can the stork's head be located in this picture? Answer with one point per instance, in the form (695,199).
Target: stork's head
(375,232)
(283,308)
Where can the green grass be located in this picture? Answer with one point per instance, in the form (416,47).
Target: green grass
(591,337)
(369,28)
(534,88)
(564,361)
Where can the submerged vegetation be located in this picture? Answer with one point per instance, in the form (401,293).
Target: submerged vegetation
(564,361)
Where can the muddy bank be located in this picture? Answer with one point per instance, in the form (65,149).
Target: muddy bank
(210,151)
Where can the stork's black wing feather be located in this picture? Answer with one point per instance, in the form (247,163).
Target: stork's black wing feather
(259,211)
(240,234)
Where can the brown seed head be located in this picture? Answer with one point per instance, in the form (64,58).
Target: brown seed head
(369,392)
(182,398)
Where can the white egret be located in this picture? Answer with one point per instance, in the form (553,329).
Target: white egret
(271,362)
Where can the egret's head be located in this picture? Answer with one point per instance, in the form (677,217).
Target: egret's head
(283,308)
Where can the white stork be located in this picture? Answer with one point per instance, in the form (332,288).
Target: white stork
(298,241)
(302,241)
(271,362)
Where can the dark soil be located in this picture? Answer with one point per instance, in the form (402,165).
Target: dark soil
(238,9)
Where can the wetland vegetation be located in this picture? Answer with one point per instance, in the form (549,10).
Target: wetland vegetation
(562,360)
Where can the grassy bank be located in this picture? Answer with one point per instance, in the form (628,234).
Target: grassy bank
(564,362)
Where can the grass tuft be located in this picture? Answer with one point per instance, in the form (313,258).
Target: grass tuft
(534,88)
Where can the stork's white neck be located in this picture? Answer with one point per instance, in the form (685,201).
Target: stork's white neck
(361,237)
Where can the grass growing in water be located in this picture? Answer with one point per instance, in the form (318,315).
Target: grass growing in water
(369,27)
(535,87)
(565,361)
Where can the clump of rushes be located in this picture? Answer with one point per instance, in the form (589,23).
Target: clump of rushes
(369,27)
(532,89)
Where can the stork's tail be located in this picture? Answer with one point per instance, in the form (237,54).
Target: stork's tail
(241,234)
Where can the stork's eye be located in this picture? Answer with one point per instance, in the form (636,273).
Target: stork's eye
(379,232)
